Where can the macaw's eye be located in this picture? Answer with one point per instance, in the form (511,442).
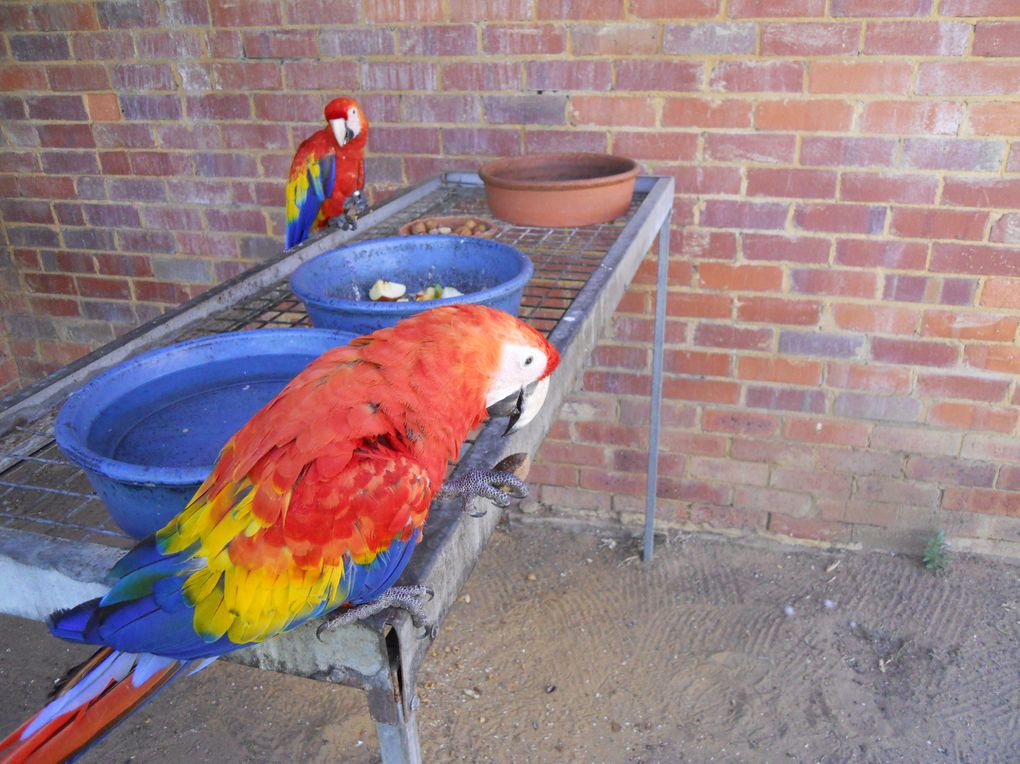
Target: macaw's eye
(529,360)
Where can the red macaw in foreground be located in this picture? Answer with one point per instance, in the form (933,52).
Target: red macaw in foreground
(314,506)
(327,174)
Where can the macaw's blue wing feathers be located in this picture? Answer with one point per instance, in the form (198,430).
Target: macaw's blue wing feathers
(307,189)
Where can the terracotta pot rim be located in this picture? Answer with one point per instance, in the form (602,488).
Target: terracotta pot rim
(490,172)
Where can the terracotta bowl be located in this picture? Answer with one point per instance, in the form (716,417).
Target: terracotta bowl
(454,223)
(559,189)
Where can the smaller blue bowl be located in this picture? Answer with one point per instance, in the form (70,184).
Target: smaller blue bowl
(334,286)
(148,431)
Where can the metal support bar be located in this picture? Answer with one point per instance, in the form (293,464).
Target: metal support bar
(651,488)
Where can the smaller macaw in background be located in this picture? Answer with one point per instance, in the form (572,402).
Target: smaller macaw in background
(313,508)
(327,174)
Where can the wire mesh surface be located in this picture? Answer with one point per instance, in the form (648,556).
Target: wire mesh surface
(41,491)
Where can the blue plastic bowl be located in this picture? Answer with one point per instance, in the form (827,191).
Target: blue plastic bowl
(334,286)
(148,431)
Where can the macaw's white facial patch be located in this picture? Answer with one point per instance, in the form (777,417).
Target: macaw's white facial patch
(519,366)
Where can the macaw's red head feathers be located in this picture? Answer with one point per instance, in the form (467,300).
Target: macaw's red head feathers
(346,119)
(481,357)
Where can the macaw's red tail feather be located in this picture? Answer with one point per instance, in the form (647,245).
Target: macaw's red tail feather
(105,689)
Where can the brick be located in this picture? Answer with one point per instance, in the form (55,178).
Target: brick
(612,111)
(363,41)
(1001,293)
(50,17)
(844,151)
(961,386)
(948,470)
(210,245)
(813,481)
(262,75)
(546,141)
(953,154)
(704,244)
(995,358)
(252,13)
(840,218)
(937,223)
(703,112)
(916,38)
(565,452)
(637,461)
(218,106)
(651,74)
(707,390)
(834,282)
(886,491)
(316,11)
(103,46)
(66,137)
(993,118)
(573,75)
(785,399)
(143,77)
(824,344)
(30,77)
(739,422)
(106,288)
(74,78)
(265,136)
(745,278)
(997,38)
(883,408)
(150,107)
(190,136)
(982,500)
(858,462)
(794,249)
(399,75)
(967,78)
(967,192)
(621,356)
(112,215)
(757,77)
(518,40)
(1009,479)
(675,9)
(697,363)
(698,304)
(62,107)
(727,471)
(494,76)
(617,383)
(438,40)
(103,107)
(826,431)
(694,490)
(913,352)
(124,265)
(527,110)
(808,39)
(39,47)
(160,163)
(872,187)
(971,258)
(690,179)
(878,319)
(480,141)
(868,253)
(791,183)
(178,45)
(489,10)
(607,40)
(16,211)
(779,370)
(776,310)
(750,147)
(971,326)
(440,108)
(930,290)
(277,107)
(878,77)
(730,38)
(580,9)
(868,8)
(725,213)
(978,7)
(912,117)
(69,162)
(89,238)
(815,115)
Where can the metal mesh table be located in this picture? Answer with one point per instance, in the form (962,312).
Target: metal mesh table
(57,541)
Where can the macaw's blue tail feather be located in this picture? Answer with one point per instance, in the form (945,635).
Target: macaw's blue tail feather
(102,692)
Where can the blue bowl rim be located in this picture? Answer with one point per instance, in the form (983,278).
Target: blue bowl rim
(310,297)
(139,474)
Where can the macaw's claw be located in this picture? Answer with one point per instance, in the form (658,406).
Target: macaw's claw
(407,598)
(357,202)
(497,486)
(344,222)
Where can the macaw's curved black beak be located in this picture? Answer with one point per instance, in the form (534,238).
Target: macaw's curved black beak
(348,133)
(521,406)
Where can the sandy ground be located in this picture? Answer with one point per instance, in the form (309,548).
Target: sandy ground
(565,647)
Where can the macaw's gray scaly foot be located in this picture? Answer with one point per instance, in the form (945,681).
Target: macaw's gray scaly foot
(404,597)
(344,222)
(494,485)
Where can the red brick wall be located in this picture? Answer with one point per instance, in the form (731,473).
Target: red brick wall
(843,302)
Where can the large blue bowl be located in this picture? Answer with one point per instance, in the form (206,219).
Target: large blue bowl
(148,431)
(334,286)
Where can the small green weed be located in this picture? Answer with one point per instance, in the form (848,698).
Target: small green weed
(936,553)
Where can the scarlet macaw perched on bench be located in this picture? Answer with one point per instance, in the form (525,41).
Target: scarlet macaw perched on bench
(314,507)
(327,174)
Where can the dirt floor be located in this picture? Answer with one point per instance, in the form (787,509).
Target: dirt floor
(565,647)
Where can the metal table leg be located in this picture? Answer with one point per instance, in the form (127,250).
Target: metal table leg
(651,488)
